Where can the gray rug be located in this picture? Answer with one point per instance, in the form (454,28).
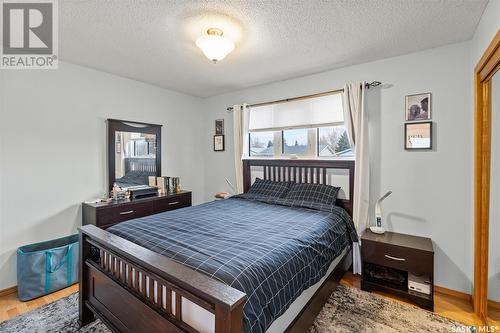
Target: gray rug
(58,316)
(347,310)
(353,310)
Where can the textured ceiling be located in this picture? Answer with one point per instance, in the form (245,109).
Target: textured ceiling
(153,41)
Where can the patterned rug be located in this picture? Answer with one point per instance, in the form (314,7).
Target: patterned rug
(353,310)
(347,310)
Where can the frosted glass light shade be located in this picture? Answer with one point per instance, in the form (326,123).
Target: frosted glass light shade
(215,47)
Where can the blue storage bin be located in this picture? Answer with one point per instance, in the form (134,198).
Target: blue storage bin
(45,267)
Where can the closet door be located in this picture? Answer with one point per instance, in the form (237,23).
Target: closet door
(494,221)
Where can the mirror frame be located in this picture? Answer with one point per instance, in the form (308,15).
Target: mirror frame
(117,125)
(483,73)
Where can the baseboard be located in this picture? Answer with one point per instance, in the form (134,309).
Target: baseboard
(8,291)
(494,305)
(453,293)
(467,297)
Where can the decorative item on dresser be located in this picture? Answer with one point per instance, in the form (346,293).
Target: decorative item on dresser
(106,214)
(399,264)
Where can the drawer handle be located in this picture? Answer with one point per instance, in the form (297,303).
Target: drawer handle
(395,258)
(127,212)
(173,203)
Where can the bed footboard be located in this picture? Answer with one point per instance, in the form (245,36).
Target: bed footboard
(132,289)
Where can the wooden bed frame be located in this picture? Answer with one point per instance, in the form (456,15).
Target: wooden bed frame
(133,289)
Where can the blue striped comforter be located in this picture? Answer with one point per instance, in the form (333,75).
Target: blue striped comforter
(270,250)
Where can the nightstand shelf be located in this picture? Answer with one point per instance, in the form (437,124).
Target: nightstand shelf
(391,257)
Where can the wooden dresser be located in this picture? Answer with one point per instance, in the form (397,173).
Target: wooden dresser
(106,214)
(402,255)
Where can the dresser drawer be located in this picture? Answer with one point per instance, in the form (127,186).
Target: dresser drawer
(112,215)
(106,214)
(171,203)
(402,258)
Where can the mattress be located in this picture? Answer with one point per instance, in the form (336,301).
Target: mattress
(272,252)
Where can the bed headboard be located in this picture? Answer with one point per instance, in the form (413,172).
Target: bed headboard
(140,164)
(302,171)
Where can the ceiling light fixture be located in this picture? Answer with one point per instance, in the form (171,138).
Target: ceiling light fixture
(214,45)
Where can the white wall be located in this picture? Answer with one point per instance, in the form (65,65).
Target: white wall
(2,206)
(432,189)
(53,141)
(486,30)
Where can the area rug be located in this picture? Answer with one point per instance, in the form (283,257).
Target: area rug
(353,310)
(347,310)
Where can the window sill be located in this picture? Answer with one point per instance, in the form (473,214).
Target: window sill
(299,158)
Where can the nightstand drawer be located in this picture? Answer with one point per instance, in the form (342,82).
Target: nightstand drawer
(179,201)
(397,257)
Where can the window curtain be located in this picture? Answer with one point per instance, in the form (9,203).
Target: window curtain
(240,132)
(356,122)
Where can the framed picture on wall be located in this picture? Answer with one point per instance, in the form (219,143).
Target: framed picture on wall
(418,135)
(418,107)
(218,142)
(219,127)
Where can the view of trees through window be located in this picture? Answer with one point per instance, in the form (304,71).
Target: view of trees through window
(331,141)
(334,141)
(262,144)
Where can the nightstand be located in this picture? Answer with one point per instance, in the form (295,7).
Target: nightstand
(391,260)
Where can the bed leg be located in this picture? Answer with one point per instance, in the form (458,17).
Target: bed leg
(229,320)
(85,316)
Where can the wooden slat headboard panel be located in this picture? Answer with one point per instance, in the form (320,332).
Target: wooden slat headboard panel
(301,171)
(140,164)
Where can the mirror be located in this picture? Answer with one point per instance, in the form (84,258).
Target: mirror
(134,152)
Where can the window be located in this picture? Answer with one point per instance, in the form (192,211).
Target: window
(261,144)
(334,141)
(295,141)
(312,127)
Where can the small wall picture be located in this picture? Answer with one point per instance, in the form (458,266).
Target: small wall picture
(418,107)
(219,127)
(218,142)
(418,135)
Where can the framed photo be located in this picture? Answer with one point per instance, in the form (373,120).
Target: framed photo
(418,135)
(218,142)
(219,127)
(418,107)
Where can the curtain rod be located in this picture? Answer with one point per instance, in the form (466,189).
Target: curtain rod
(326,93)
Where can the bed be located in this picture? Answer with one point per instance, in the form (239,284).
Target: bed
(137,171)
(245,264)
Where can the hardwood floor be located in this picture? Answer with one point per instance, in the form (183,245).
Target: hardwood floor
(493,317)
(11,306)
(448,306)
